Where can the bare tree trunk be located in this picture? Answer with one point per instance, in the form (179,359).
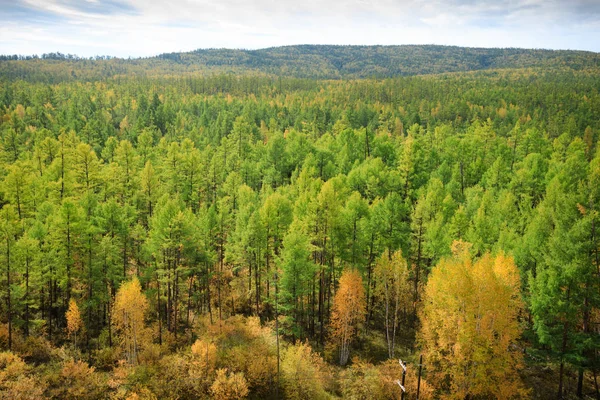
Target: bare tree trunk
(8,293)
(158,309)
(394,327)
(563,351)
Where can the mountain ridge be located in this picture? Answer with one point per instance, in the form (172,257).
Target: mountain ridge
(307,61)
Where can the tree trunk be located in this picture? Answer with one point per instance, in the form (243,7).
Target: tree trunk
(8,295)
(369,282)
(158,309)
(418,265)
(27,293)
(562,354)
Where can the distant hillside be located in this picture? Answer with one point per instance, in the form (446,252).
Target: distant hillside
(303,61)
(380,61)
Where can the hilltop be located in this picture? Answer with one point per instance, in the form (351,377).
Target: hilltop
(301,61)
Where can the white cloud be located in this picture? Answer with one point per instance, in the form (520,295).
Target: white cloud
(149,27)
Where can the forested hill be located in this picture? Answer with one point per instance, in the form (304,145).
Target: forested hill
(323,61)
(303,61)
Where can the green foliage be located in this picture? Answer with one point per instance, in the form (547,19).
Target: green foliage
(303,61)
(250,194)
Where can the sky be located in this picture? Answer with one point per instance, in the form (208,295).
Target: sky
(139,28)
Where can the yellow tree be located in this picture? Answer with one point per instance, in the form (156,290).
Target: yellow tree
(201,367)
(305,374)
(469,326)
(17,379)
(74,323)
(393,292)
(230,386)
(348,311)
(128,319)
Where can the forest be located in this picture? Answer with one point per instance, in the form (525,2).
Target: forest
(270,235)
(302,61)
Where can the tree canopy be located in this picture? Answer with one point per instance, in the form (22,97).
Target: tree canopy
(178,233)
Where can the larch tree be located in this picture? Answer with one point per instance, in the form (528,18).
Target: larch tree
(564,284)
(298,274)
(28,255)
(229,386)
(304,373)
(348,312)
(470,325)
(8,224)
(128,318)
(393,291)
(276,215)
(74,322)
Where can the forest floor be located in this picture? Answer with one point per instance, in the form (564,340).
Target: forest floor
(543,382)
(539,376)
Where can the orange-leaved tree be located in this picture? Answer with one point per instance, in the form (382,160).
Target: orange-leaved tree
(128,319)
(74,323)
(348,311)
(470,326)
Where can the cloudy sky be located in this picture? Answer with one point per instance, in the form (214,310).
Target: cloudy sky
(148,27)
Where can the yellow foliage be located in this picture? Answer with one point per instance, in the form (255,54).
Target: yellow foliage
(124,125)
(173,380)
(142,394)
(128,319)
(203,360)
(348,311)
(304,374)
(229,386)
(73,316)
(362,381)
(11,366)
(20,111)
(253,352)
(16,380)
(469,326)
(120,375)
(393,292)
(79,381)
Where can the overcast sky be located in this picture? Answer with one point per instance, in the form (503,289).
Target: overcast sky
(149,27)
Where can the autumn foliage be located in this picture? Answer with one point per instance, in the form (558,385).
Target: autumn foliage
(17,380)
(200,231)
(305,374)
(392,289)
(348,312)
(74,322)
(229,386)
(128,319)
(470,326)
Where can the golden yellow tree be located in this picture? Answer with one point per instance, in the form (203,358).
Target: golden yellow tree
(74,322)
(202,364)
(128,319)
(79,381)
(17,379)
(231,386)
(305,374)
(348,311)
(470,325)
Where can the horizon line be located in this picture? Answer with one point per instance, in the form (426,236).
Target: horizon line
(107,56)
